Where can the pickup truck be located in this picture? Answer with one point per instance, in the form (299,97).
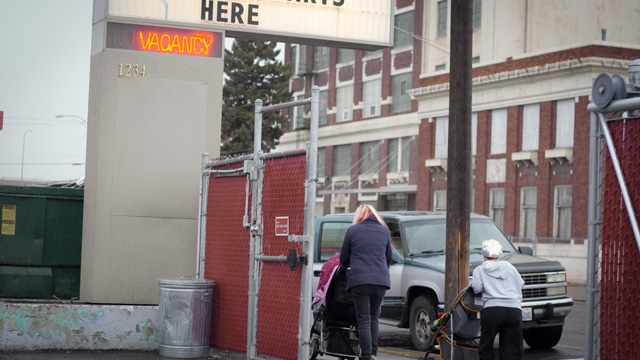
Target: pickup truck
(418,273)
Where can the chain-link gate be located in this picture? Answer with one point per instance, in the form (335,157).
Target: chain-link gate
(613,283)
(255,239)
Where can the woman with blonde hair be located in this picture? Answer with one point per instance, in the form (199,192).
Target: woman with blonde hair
(366,255)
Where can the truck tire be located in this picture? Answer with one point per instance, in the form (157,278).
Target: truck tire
(421,315)
(542,338)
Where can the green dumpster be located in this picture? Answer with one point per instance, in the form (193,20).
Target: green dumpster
(40,241)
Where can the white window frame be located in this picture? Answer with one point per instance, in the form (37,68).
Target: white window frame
(495,209)
(498,131)
(298,61)
(559,233)
(442,137)
(298,111)
(565,122)
(530,127)
(400,98)
(344,103)
(371,97)
(439,200)
(442,18)
(372,149)
(324,52)
(525,208)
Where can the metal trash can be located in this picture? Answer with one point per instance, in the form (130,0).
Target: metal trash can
(185,309)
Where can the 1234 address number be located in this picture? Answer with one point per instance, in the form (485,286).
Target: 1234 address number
(134,70)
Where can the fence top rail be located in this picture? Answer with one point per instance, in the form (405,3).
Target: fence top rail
(629,104)
(271,155)
(285,105)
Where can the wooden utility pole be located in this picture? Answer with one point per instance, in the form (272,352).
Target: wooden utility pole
(459,150)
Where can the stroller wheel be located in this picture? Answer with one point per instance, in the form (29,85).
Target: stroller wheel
(314,348)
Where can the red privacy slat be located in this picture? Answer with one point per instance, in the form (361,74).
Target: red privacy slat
(227,261)
(279,302)
(620,267)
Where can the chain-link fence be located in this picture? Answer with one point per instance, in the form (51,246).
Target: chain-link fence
(613,284)
(256,233)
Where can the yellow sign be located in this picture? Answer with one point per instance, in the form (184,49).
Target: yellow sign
(8,220)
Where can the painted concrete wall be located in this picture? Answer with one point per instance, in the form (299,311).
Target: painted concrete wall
(45,326)
(572,255)
(145,139)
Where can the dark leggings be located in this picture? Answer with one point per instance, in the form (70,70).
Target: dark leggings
(507,322)
(367,300)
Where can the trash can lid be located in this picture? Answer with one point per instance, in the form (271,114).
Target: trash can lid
(186,282)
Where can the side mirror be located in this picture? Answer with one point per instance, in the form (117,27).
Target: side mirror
(525,250)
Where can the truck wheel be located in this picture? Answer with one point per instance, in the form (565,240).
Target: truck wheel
(542,338)
(420,317)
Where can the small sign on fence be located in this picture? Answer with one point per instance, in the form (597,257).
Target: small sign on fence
(282,226)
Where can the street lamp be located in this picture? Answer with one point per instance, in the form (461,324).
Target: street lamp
(82,120)
(23,141)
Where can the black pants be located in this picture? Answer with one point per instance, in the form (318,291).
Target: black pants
(367,300)
(507,322)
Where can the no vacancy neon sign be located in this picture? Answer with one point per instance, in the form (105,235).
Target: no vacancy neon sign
(164,40)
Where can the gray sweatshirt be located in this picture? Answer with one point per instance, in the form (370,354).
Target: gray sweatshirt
(499,282)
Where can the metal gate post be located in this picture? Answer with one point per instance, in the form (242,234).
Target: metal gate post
(255,174)
(309,227)
(591,338)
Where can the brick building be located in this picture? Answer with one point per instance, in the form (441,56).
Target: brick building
(383,126)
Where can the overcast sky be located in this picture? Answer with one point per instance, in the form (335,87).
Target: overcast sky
(44,71)
(45,53)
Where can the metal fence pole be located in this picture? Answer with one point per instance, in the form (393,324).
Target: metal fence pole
(254,266)
(309,227)
(591,333)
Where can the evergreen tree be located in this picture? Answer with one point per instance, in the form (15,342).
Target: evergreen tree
(252,72)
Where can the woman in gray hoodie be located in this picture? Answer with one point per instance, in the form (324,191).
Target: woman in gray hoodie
(501,287)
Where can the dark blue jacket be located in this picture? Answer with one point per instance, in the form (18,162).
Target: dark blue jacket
(366,254)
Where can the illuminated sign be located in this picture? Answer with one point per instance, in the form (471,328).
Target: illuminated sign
(164,40)
(363,24)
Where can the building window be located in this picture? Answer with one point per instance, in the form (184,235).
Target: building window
(372,91)
(320,57)
(400,86)
(342,160)
(477,14)
(344,103)
(397,202)
(369,155)
(403,30)
(324,101)
(562,195)
(496,206)
(499,131)
(399,154)
(346,55)
(565,118)
(441,67)
(439,200)
(298,59)
(322,156)
(474,133)
(442,137)
(442,18)
(298,113)
(528,203)
(475,59)
(530,127)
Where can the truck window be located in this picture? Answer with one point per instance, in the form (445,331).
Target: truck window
(396,236)
(331,237)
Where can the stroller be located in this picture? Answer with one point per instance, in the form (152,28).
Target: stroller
(464,319)
(335,330)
